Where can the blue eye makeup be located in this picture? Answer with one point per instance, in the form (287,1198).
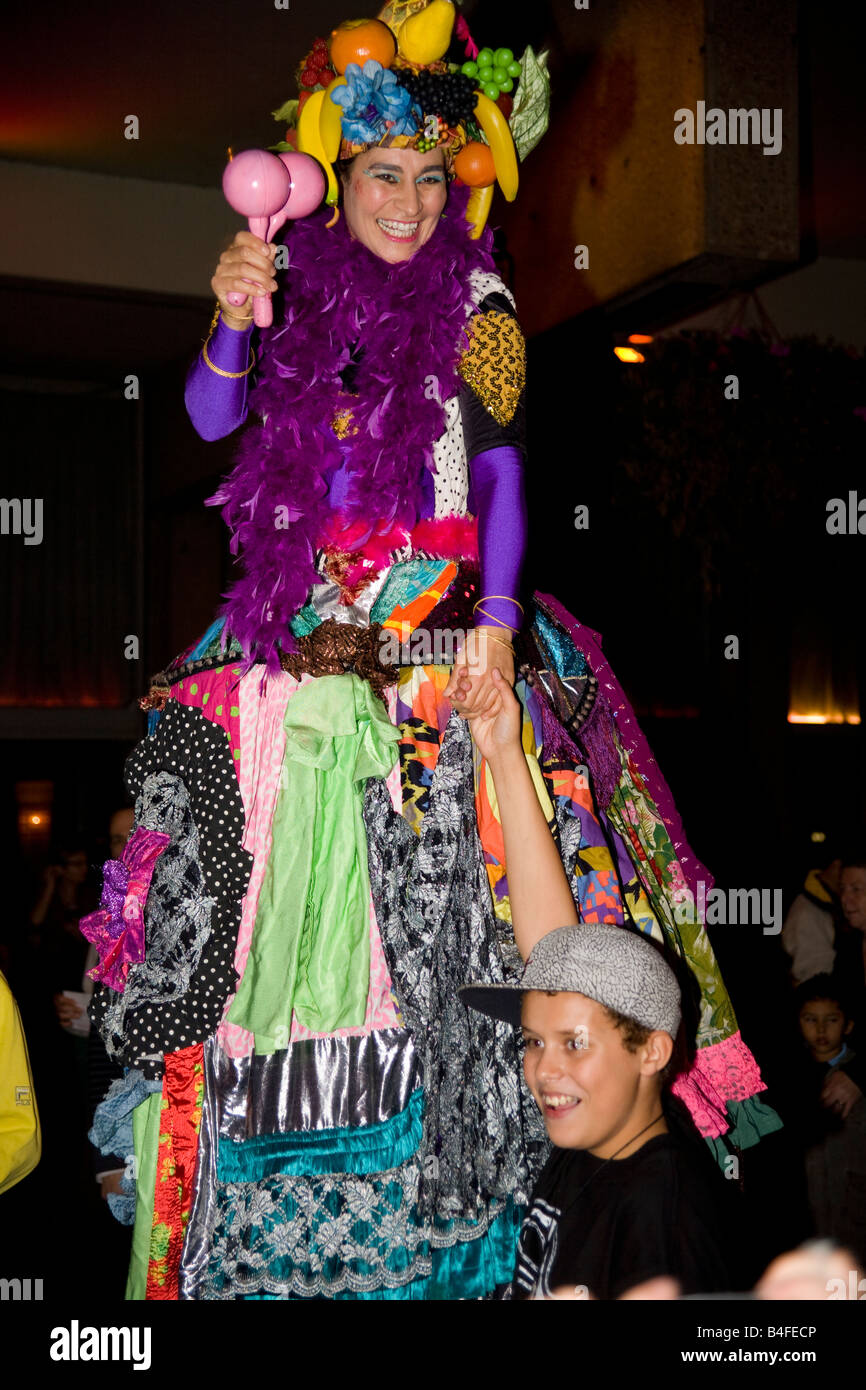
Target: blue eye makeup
(387,177)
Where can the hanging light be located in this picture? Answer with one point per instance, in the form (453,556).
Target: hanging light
(834,717)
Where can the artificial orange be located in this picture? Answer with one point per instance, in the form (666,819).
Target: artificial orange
(357,40)
(474,165)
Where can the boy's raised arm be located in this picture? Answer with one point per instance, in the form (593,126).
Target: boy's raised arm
(538,890)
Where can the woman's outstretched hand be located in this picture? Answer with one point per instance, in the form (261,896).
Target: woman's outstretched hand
(247,259)
(496,722)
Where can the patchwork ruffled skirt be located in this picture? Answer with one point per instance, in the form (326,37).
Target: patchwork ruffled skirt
(314,1114)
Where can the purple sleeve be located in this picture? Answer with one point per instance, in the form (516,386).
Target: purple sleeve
(500,505)
(216,405)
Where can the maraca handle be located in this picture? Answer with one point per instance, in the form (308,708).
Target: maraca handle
(263,313)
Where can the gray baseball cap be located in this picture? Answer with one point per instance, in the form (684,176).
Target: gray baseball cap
(612,965)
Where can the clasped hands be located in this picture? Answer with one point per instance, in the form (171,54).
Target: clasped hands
(480,689)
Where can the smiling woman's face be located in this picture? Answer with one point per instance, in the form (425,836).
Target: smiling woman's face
(393,199)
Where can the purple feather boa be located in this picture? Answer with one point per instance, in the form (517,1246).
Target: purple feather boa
(409,320)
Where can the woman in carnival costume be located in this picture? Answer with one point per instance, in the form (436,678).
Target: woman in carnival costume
(317,864)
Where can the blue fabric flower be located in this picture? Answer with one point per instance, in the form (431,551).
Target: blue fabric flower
(112,1134)
(374,104)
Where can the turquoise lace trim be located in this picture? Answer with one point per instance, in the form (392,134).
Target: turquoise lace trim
(470,1269)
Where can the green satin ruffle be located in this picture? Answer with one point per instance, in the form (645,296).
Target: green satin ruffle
(750,1120)
(145,1134)
(310,951)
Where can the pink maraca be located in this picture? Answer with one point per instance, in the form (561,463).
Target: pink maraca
(257,184)
(308,186)
(306,193)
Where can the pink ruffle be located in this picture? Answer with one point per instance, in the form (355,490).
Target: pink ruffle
(721,1072)
(115,929)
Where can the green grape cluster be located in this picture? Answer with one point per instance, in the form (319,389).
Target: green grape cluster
(494,70)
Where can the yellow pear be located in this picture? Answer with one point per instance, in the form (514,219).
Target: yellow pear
(425,36)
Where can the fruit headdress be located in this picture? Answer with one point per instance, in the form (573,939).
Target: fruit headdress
(385,82)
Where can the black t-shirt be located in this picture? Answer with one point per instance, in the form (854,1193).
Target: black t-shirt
(607,1226)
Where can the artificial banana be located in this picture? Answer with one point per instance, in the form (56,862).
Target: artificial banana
(498,136)
(330,130)
(477,209)
(310,140)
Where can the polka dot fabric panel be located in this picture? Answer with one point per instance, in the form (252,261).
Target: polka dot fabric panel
(216,694)
(196,750)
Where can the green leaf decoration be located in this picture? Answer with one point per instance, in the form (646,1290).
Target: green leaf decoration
(283,145)
(288,112)
(530,114)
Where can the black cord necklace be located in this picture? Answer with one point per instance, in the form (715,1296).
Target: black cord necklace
(606,1161)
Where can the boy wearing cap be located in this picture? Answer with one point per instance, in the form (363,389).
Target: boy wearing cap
(622,1199)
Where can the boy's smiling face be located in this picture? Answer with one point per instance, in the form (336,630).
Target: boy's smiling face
(593,1093)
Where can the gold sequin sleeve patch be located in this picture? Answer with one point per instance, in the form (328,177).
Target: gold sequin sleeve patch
(494,364)
(342,423)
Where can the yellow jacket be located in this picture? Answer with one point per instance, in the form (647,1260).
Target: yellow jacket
(20,1135)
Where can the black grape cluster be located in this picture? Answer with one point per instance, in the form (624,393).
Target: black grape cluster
(449,95)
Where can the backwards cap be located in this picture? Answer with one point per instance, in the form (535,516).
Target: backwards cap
(612,965)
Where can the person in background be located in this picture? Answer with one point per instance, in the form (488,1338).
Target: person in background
(65,898)
(822,1102)
(809,929)
(829,937)
(851,938)
(119,831)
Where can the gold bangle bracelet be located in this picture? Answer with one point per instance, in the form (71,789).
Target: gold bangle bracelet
(505,597)
(490,618)
(219,370)
(500,642)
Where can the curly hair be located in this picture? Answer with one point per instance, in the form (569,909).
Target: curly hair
(635,1034)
